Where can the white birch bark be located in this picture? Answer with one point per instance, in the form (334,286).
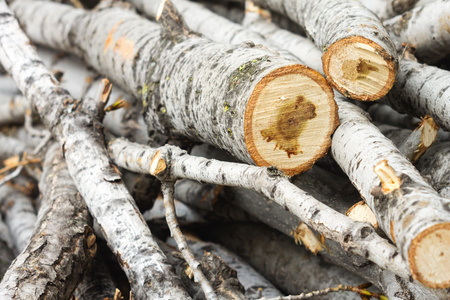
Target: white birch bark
(356,237)
(11,146)
(346,30)
(19,215)
(177,73)
(425,28)
(435,165)
(422,90)
(74,125)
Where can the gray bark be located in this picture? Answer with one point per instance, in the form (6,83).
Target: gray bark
(75,125)
(384,114)
(386,9)
(10,146)
(59,252)
(12,109)
(429,36)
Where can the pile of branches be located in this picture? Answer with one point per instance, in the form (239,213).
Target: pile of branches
(235,131)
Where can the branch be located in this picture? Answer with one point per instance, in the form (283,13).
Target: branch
(167,190)
(357,237)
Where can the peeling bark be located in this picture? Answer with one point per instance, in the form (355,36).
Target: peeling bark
(179,67)
(429,36)
(359,58)
(59,252)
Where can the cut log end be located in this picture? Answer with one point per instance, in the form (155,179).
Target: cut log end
(289,119)
(359,68)
(429,256)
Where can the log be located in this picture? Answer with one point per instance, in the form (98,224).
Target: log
(12,109)
(422,90)
(59,251)
(386,9)
(249,77)
(384,114)
(76,126)
(359,58)
(428,37)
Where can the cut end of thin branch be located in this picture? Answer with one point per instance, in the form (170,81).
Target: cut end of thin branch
(158,164)
(429,256)
(289,119)
(251,7)
(389,181)
(103,93)
(359,68)
(303,235)
(361,212)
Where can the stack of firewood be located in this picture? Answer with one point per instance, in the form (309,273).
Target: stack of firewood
(169,149)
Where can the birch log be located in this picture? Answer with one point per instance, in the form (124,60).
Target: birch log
(422,90)
(235,113)
(359,58)
(426,29)
(12,109)
(386,9)
(75,125)
(6,252)
(52,264)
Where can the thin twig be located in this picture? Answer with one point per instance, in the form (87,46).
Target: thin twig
(339,288)
(12,175)
(167,188)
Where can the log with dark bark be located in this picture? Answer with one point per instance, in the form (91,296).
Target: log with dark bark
(59,251)
(359,58)
(246,123)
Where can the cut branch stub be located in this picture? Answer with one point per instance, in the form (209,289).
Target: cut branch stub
(289,118)
(359,68)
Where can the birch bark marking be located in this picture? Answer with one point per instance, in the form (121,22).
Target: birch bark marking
(177,70)
(426,28)
(359,58)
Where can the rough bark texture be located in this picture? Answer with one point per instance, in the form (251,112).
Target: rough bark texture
(353,236)
(359,58)
(422,90)
(429,36)
(75,125)
(19,215)
(177,71)
(59,252)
